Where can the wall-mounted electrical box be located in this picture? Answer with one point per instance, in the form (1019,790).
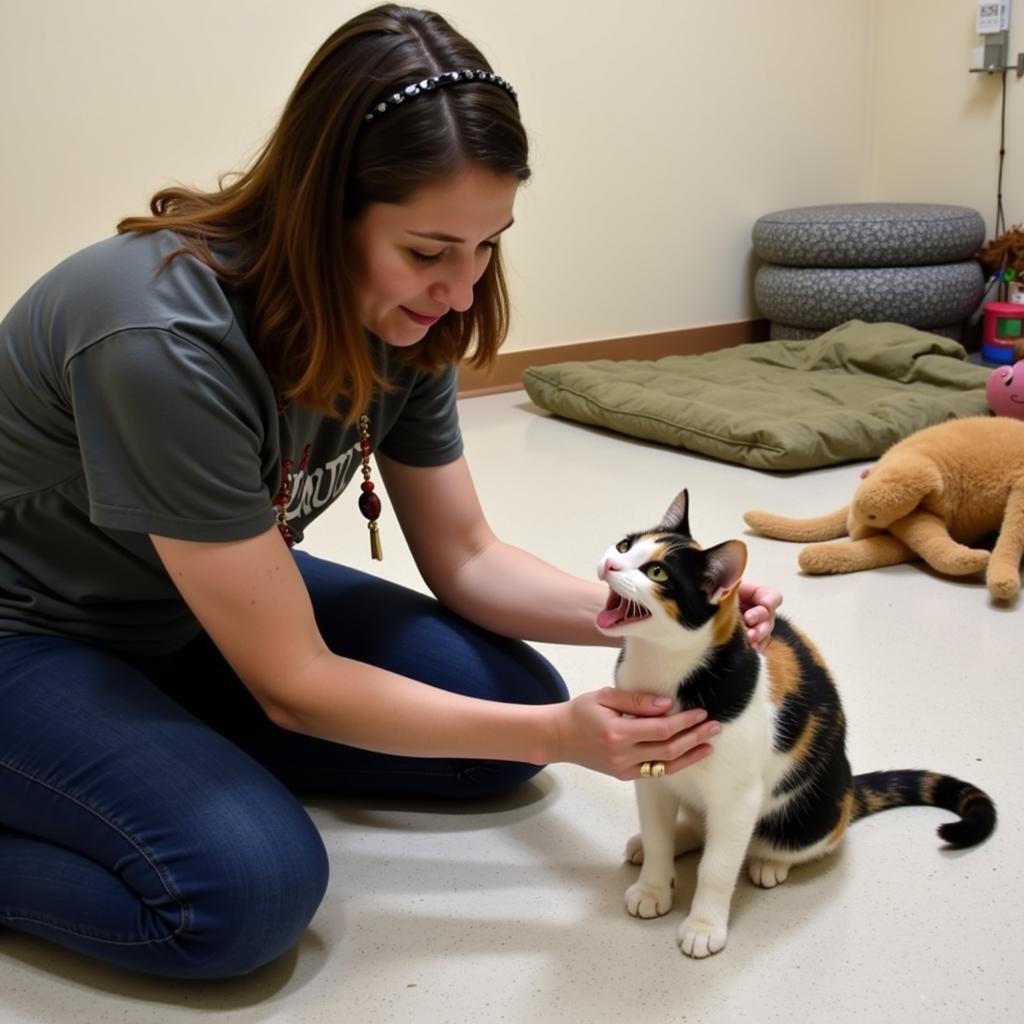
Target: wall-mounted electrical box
(993,25)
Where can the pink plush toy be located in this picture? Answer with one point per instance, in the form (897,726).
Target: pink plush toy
(1005,390)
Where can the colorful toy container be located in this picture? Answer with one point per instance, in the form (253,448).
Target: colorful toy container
(1002,331)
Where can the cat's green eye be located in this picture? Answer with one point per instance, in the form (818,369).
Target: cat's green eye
(622,547)
(656,572)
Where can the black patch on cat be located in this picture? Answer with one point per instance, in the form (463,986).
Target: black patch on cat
(675,538)
(725,683)
(810,816)
(828,746)
(686,567)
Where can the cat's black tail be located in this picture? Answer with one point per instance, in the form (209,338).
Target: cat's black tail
(878,791)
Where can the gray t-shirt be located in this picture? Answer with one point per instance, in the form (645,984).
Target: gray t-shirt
(131,402)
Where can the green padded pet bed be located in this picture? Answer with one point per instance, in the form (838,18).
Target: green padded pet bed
(783,405)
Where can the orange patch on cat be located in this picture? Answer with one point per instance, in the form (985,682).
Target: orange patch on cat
(784,676)
(874,801)
(805,741)
(845,813)
(928,784)
(670,607)
(726,620)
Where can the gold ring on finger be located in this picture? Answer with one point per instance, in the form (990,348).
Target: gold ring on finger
(645,770)
(657,769)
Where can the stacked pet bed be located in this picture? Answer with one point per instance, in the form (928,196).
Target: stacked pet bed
(777,405)
(909,263)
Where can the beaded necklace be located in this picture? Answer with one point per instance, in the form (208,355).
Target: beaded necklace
(284,495)
(369,502)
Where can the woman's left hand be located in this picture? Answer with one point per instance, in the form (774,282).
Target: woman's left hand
(758,605)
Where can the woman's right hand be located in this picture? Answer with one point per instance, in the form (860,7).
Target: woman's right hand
(615,732)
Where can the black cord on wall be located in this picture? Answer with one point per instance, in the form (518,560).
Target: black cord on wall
(1000,218)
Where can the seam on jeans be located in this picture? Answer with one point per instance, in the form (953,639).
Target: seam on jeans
(143,851)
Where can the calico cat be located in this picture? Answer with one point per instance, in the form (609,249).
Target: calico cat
(778,789)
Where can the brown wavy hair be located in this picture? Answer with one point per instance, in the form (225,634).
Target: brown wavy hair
(287,219)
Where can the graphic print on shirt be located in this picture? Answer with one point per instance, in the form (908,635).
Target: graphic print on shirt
(313,489)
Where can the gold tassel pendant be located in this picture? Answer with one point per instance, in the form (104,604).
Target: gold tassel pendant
(376,553)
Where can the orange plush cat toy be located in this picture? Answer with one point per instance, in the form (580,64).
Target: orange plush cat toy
(930,496)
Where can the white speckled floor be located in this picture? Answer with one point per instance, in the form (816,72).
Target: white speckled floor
(513,911)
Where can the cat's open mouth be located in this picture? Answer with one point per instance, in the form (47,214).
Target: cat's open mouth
(618,611)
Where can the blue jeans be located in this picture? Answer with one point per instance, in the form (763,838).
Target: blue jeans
(147,816)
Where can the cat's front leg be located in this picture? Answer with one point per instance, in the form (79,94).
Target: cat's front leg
(689,836)
(729,828)
(651,894)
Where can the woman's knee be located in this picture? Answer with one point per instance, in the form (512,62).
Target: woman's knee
(539,682)
(254,894)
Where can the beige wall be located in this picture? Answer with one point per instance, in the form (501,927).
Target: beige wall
(661,130)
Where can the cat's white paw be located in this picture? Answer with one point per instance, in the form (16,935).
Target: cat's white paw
(687,838)
(698,937)
(644,900)
(634,850)
(767,873)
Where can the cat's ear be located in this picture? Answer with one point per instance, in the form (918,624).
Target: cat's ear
(677,518)
(723,569)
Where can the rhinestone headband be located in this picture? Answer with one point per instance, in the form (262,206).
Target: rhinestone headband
(438,82)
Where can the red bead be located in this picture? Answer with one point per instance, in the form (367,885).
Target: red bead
(369,505)
(367,485)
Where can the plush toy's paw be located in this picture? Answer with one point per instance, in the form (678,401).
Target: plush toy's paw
(1003,581)
(957,560)
(644,900)
(819,559)
(767,873)
(856,555)
(699,937)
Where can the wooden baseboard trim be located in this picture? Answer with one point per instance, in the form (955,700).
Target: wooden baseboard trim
(507,372)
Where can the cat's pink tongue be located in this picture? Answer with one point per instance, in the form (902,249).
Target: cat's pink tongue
(608,617)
